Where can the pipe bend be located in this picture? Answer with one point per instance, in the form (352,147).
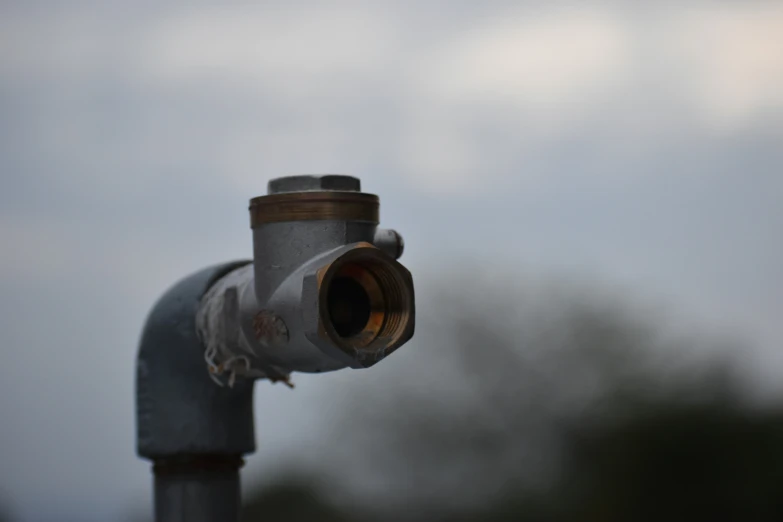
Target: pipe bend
(179,409)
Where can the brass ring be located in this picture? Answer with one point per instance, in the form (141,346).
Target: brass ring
(314,206)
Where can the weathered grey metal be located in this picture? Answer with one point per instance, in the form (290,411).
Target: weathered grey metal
(320,294)
(390,242)
(180,412)
(285,255)
(281,248)
(179,409)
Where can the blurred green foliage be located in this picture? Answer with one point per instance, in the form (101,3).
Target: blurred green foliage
(694,463)
(557,407)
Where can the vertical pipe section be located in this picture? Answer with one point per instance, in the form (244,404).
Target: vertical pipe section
(193,430)
(193,492)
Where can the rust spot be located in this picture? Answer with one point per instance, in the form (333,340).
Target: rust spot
(270,329)
(285,380)
(276,376)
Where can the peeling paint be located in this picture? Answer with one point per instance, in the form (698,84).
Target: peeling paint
(270,329)
(227,353)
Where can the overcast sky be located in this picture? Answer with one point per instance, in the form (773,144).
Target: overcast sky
(639,146)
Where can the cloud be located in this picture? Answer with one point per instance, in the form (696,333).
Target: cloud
(246,90)
(287,50)
(731,54)
(549,61)
(640,80)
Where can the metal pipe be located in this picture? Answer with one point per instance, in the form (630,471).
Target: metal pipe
(192,429)
(197,494)
(323,292)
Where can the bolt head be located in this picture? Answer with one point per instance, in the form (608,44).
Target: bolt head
(314,183)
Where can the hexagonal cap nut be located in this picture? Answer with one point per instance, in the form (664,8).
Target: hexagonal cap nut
(358,305)
(314,183)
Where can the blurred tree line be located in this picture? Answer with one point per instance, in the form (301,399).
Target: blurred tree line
(543,402)
(537,401)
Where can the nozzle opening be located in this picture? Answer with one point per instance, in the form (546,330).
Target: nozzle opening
(368,304)
(349,306)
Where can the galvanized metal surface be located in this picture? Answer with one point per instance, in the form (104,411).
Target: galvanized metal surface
(179,409)
(283,311)
(231,347)
(282,326)
(279,249)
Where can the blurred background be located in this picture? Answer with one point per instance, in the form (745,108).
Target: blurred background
(592,203)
